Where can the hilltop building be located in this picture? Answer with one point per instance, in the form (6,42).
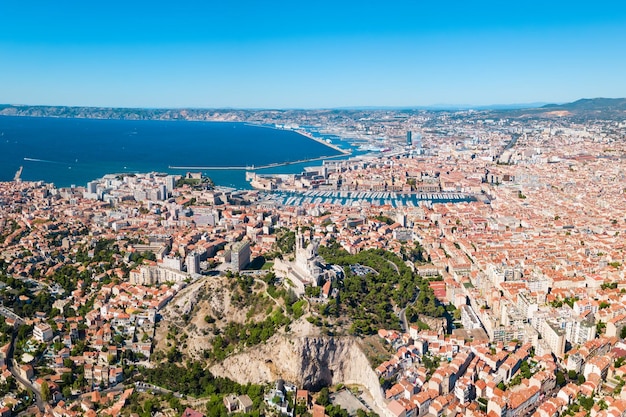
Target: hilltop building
(308,268)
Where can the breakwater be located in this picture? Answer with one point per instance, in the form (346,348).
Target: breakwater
(254,167)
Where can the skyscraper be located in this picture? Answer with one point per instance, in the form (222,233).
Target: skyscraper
(418,144)
(240,255)
(409,138)
(170,184)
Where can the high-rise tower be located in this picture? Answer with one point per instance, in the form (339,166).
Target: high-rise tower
(418,144)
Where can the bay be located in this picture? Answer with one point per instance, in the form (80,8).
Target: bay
(68,151)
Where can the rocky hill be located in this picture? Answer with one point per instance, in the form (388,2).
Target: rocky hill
(311,362)
(298,352)
(202,310)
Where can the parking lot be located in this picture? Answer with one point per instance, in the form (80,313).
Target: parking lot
(348,401)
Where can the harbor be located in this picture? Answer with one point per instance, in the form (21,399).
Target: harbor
(359,198)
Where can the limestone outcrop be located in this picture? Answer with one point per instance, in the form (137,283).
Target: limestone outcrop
(310,362)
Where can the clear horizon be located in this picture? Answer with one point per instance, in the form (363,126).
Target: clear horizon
(280,55)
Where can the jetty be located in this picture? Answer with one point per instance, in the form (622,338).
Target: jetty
(254,167)
(18,174)
(322,141)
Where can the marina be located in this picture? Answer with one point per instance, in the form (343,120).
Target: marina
(359,198)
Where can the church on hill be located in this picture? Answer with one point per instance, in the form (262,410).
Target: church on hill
(307,268)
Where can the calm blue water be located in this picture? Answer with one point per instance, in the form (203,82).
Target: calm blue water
(74,151)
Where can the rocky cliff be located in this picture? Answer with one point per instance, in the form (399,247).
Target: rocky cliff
(309,361)
(186,313)
(437,324)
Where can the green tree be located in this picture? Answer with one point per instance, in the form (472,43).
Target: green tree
(45,391)
(311,291)
(586,402)
(323,397)
(149,407)
(608,285)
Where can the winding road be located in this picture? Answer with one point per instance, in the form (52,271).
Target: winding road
(402,313)
(394,266)
(10,365)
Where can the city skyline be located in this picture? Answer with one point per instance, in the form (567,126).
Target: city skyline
(280,55)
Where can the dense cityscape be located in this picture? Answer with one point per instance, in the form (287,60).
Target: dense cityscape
(465,263)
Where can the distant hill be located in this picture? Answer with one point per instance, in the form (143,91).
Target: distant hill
(591,104)
(581,110)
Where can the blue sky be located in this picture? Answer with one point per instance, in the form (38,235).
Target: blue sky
(285,54)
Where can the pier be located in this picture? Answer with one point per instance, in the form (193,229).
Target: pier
(18,174)
(322,141)
(254,167)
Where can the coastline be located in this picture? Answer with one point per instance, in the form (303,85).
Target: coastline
(77,167)
(322,141)
(306,134)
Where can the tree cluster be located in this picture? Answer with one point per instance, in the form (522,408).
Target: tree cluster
(246,334)
(426,304)
(369,300)
(195,380)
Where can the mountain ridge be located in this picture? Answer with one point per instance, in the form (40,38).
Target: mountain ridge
(598,103)
(585,108)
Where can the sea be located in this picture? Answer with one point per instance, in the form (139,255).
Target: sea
(67,151)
